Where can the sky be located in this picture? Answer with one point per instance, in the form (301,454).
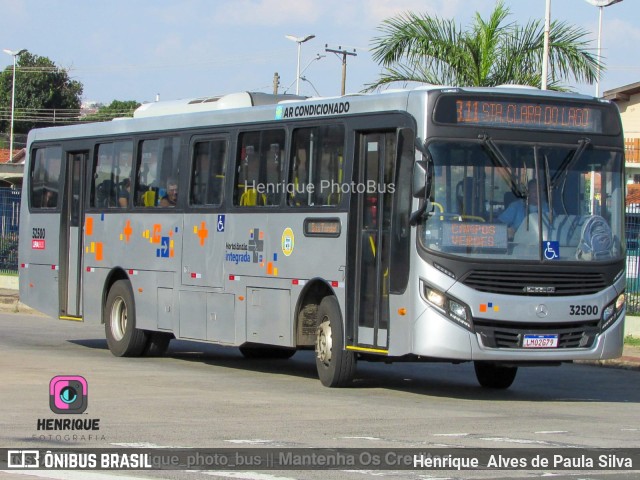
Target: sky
(138,49)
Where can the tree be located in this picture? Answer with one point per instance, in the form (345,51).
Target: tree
(420,48)
(115,109)
(45,94)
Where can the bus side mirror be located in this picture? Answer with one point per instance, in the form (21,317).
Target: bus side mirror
(420,179)
(421,188)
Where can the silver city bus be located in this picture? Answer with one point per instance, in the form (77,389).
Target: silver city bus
(454,224)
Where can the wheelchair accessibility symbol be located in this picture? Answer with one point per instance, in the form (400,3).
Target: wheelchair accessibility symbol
(551,250)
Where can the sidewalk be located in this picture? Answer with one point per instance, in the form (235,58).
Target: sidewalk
(10,302)
(630,359)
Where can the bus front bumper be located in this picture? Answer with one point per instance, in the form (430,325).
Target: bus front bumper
(436,336)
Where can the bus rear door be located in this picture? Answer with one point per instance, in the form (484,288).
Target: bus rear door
(71,223)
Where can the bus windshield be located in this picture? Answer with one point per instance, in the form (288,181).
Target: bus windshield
(517,201)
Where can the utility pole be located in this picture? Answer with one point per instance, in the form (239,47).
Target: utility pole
(276,83)
(344,53)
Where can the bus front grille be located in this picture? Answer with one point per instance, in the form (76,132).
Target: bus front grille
(530,283)
(510,335)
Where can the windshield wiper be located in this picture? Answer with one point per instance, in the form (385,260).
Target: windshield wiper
(501,161)
(569,162)
(547,177)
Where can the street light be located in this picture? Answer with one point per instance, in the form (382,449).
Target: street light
(15,54)
(299,41)
(317,57)
(545,51)
(600,4)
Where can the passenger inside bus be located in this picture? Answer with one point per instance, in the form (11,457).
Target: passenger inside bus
(124,193)
(516,212)
(49,199)
(170,199)
(106,194)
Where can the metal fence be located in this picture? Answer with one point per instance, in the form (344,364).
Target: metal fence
(9,223)
(632,227)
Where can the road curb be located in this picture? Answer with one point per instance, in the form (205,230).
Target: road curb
(12,304)
(626,363)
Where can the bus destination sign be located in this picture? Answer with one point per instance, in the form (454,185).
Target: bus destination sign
(520,113)
(525,115)
(492,236)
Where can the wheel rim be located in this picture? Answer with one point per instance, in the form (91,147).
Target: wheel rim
(324,342)
(118,318)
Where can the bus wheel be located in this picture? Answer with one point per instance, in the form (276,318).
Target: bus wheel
(123,338)
(157,343)
(277,353)
(490,375)
(336,366)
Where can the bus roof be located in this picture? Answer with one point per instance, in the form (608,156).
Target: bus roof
(256,107)
(208,104)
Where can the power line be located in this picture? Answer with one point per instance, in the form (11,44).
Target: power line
(344,53)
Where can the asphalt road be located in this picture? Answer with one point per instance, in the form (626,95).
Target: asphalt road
(201,395)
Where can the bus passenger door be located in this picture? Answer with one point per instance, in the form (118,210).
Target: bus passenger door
(71,223)
(371,206)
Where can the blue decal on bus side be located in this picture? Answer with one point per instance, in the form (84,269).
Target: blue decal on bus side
(163,251)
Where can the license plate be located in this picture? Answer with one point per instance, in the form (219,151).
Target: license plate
(540,341)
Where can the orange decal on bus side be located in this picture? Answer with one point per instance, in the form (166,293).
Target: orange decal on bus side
(126,231)
(201,232)
(157,230)
(88,226)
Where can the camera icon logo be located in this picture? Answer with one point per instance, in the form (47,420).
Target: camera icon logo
(68,394)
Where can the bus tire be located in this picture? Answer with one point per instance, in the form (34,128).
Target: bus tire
(123,338)
(336,366)
(275,353)
(491,375)
(157,343)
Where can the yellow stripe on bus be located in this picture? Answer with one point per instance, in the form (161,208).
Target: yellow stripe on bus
(75,319)
(368,350)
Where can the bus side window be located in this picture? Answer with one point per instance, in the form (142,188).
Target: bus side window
(316,170)
(112,169)
(207,172)
(259,169)
(45,177)
(157,165)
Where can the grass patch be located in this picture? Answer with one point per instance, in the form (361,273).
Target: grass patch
(631,340)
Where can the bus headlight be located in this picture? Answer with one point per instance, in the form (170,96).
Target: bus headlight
(451,307)
(435,298)
(611,312)
(457,310)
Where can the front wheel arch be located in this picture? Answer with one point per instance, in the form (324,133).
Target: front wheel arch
(114,275)
(123,337)
(335,364)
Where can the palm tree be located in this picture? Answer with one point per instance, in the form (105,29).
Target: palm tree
(420,48)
